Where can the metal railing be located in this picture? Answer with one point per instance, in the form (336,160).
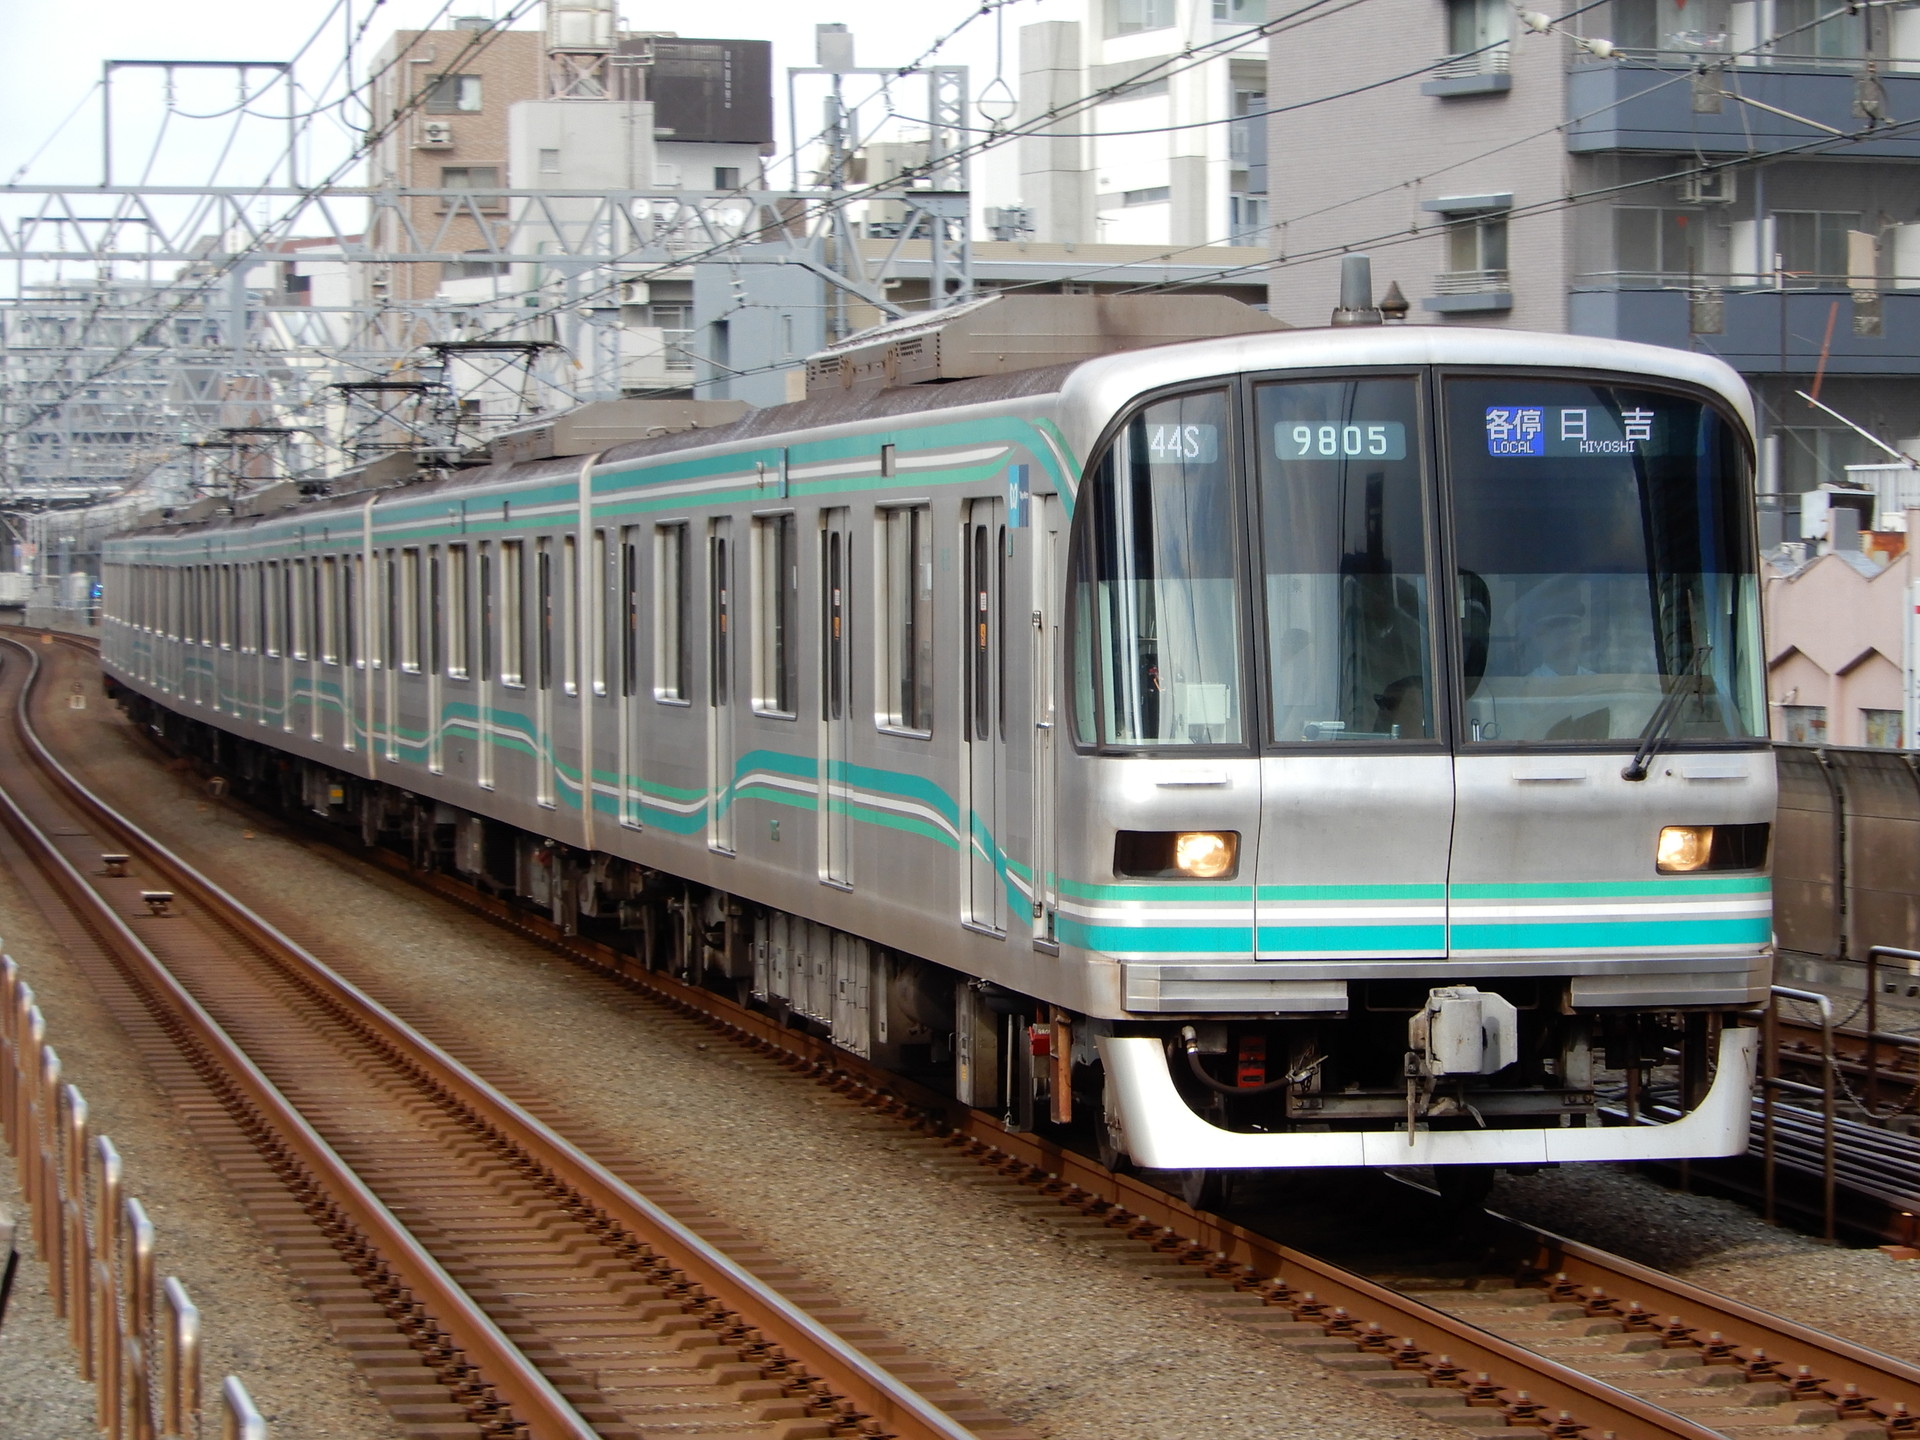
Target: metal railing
(138,1342)
(1475,62)
(1470,282)
(1771,1084)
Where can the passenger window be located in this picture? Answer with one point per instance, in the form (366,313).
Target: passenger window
(459,662)
(776,585)
(410,610)
(513,580)
(670,613)
(906,627)
(1157,582)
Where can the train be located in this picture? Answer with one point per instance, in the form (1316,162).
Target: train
(1246,747)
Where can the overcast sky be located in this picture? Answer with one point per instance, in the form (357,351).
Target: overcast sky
(51,55)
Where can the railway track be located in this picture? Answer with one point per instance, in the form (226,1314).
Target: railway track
(493,1280)
(1529,1330)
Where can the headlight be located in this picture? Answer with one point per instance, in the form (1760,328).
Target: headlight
(1176,854)
(1683,848)
(1205,854)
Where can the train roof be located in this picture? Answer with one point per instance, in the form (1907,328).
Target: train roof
(1106,382)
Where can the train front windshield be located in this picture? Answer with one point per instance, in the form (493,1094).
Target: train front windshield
(1597,561)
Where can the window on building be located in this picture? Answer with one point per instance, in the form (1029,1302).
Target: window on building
(1477,248)
(453,94)
(776,601)
(1130,17)
(549,162)
(1240,12)
(1651,244)
(472,177)
(1816,30)
(1153,195)
(1803,724)
(1813,455)
(670,613)
(726,177)
(1881,729)
(906,629)
(1812,245)
(1478,33)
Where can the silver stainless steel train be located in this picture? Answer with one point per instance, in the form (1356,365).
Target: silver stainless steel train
(1297,748)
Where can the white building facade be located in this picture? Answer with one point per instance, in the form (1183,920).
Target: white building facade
(1174,151)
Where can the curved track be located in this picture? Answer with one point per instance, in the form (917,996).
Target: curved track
(529,1291)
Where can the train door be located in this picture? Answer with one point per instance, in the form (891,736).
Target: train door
(487,613)
(984,727)
(391,619)
(720,744)
(836,698)
(1043,522)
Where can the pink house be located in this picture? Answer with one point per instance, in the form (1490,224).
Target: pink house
(1836,638)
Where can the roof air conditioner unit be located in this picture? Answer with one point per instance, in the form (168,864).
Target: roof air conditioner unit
(436,134)
(635,292)
(1713,187)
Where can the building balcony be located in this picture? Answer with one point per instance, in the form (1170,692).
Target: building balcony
(1760,332)
(1480,72)
(1469,292)
(1619,107)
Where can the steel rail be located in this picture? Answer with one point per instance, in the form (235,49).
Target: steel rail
(896,1405)
(1610,1282)
(534,1399)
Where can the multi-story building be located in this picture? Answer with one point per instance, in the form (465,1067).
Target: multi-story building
(1714,175)
(1174,154)
(580,107)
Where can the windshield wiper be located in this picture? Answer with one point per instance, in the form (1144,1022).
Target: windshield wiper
(1665,713)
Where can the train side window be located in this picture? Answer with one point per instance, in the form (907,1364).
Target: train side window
(670,649)
(285,608)
(598,631)
(776,584)
(543,616)
(484,589)
(329,610)
(629,609)
(303,609)
(568,621)
(350,599)
(906,624)
(513,581)
(408,599)
(458,661)
(430,614)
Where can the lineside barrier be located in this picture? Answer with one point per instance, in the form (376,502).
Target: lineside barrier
(137,1342)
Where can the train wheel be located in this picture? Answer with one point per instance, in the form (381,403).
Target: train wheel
(1109,1140)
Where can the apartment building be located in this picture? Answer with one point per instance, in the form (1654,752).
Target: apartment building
(642,112)
(1174,154)
(1715,175)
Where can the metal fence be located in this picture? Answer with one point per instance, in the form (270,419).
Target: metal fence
(138,1341)
(1846,852)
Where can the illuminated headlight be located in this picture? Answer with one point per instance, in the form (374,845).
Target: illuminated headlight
(1683,848)
(1205,854)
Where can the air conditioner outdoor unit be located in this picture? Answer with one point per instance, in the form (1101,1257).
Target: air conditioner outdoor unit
(1714,187)
(436,134)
